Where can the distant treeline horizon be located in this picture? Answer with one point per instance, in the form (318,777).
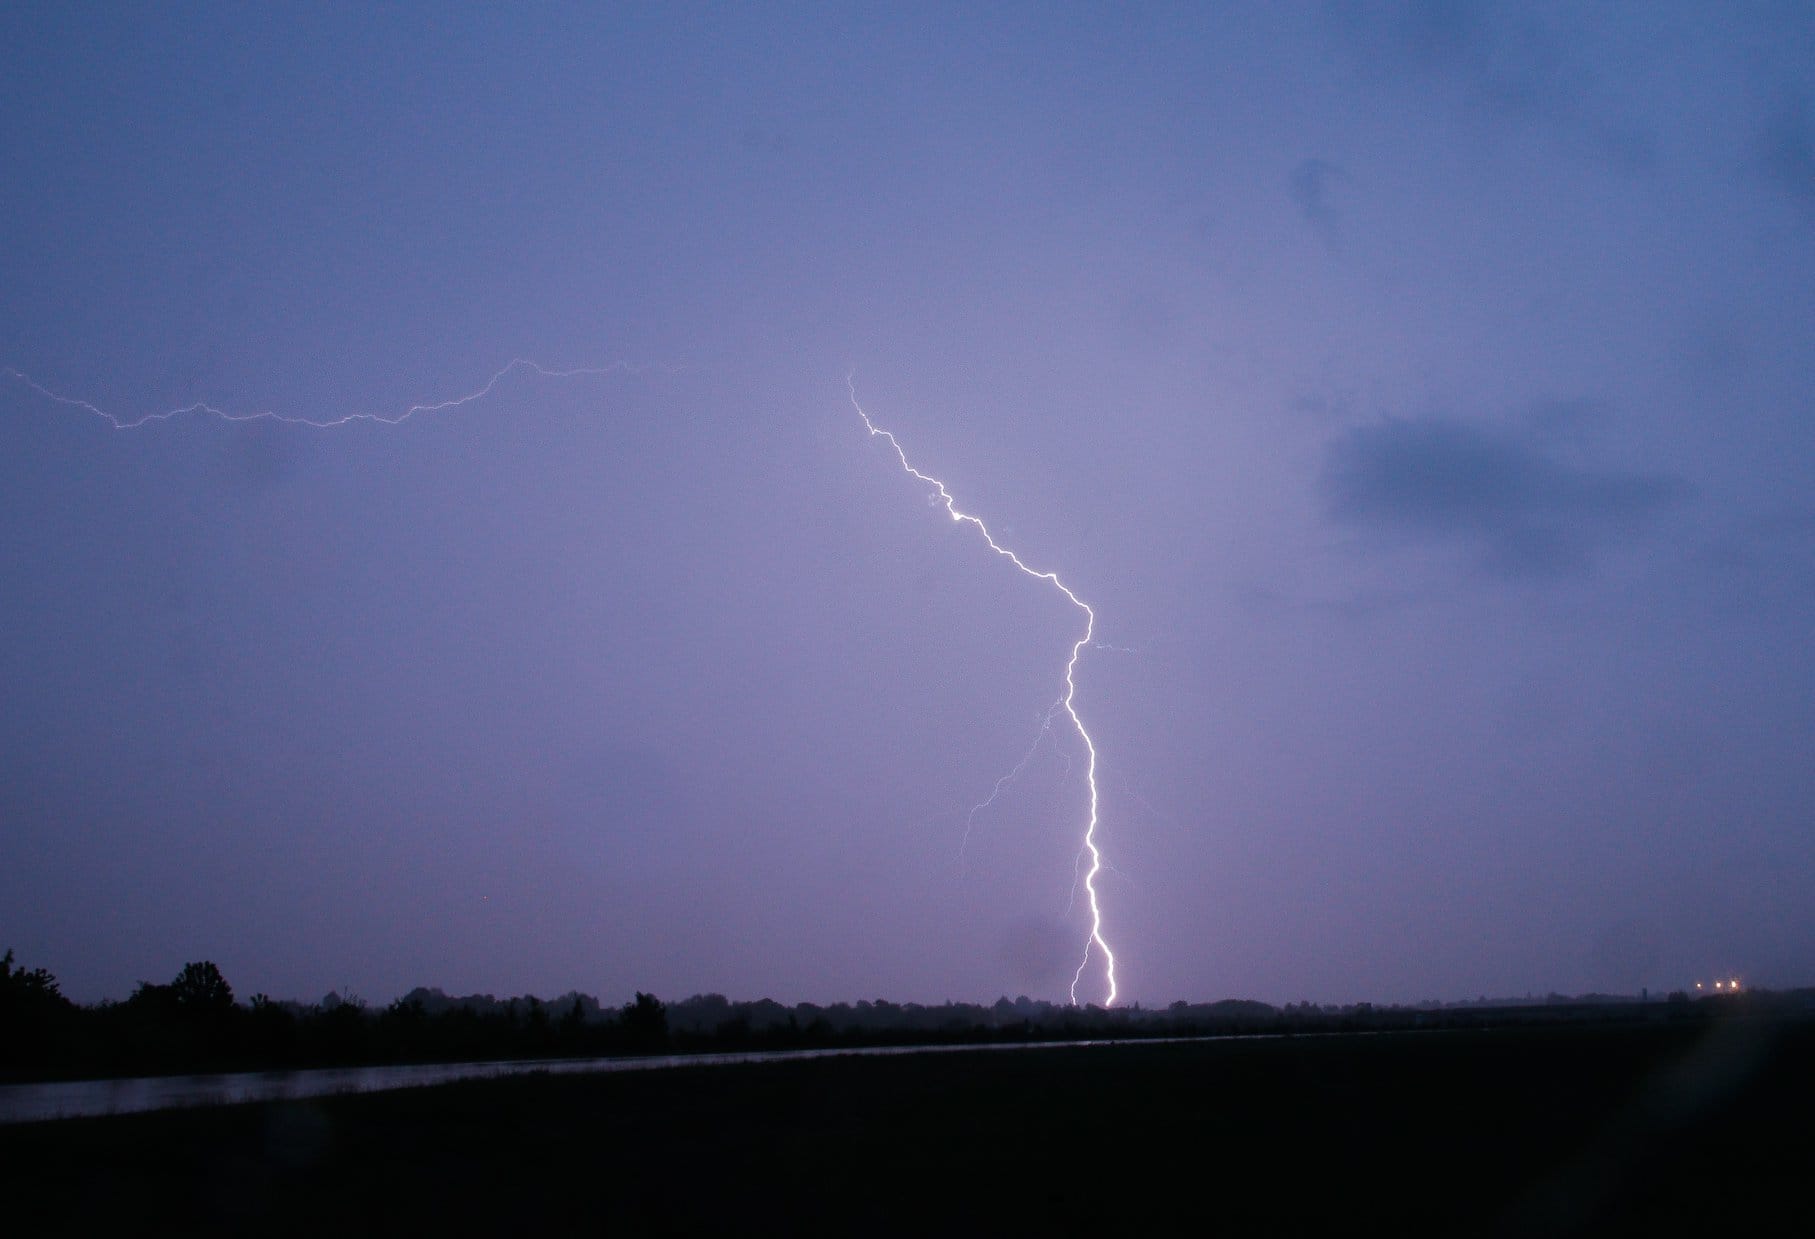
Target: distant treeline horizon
(195,1023)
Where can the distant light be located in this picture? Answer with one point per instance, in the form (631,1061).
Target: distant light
(1698,985)
(1717,985)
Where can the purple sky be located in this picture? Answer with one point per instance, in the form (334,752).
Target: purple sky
(1419,393)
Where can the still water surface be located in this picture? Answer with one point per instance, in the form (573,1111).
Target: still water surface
(30,1103)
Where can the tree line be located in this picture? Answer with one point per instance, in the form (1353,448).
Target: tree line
(194,1023)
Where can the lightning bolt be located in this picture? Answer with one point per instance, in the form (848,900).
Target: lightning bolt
(392,419)
(970,819)
(1096,942)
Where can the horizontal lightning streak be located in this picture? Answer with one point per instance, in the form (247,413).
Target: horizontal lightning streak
(395,419)
(1096,940)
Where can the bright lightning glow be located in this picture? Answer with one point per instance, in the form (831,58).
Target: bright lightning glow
(1096,941)
(393,419)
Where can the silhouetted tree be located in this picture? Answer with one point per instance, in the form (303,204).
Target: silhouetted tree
(538,1030)
(200,989)
(645,1023)
(271,1030)
(341,1032)
(403,1031)
(35,1019)
(20,989)
(150,998)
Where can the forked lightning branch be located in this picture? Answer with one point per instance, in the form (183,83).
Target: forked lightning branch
(1096,943)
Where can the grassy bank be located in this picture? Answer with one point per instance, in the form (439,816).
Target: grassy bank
(1535,1130)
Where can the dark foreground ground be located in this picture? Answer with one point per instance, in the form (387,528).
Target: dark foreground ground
(1704,1129)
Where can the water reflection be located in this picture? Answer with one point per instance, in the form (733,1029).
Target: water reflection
(30,1103)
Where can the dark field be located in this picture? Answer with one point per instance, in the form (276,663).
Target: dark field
(1703,1129)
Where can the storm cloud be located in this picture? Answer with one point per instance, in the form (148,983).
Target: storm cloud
(1509,498)
(1312,187)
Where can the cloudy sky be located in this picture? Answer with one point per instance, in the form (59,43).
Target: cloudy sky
(1420,394)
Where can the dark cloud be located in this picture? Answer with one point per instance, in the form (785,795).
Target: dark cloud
(1786,153)
(1506,496)
(1501,63)
(1312,187)
(1498,61)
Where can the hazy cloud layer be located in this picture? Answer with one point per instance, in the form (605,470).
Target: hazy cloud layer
(1787,154)
(1509,498)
